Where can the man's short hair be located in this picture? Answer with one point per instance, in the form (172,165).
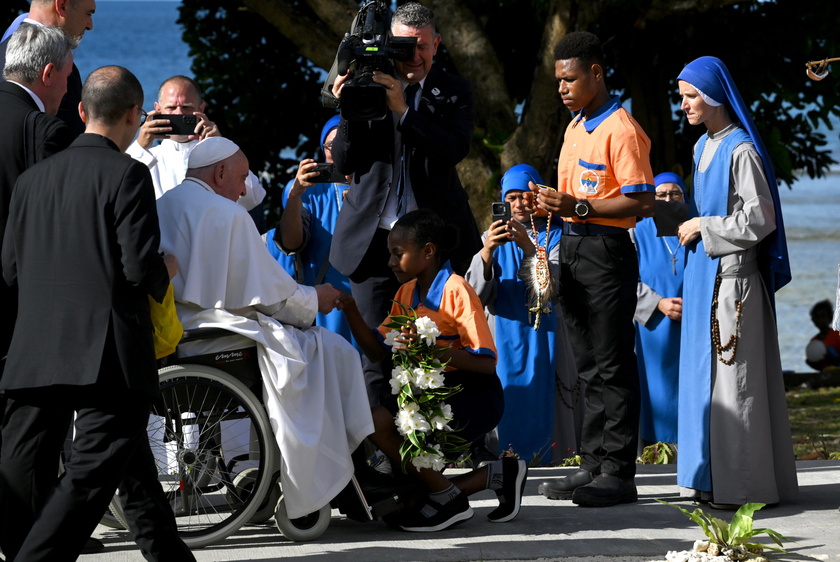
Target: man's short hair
(109,92)
(31,48)
(183,80)
(581,45)
(414,15)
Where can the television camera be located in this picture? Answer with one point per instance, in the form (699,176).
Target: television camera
(366,48)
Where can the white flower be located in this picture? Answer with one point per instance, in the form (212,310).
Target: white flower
(389,341)
(427,330)
(428,379)
(428,460)
(396,387)
(410,418)
(440,424)
(401,374)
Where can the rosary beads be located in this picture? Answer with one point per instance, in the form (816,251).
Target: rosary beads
(732,344)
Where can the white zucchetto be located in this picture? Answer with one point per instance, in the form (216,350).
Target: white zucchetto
(210,151)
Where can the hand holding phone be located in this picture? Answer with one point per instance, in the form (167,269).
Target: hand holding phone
(326,174)
(500,211)
(181,124)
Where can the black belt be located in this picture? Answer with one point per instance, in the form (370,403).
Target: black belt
(585,229)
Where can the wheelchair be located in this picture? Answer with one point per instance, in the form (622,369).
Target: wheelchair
(217,457)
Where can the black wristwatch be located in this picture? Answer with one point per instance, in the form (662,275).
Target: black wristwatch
(582,208)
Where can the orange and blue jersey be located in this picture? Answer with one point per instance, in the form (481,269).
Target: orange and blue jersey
(604,155)
(456,309)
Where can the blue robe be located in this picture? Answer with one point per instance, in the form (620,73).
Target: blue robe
(658,340)
(527,358)
(322,202)
(710,198)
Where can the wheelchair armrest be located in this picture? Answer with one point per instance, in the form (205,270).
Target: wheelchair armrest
(196,334)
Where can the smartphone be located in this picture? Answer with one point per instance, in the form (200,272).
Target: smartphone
(326,174)
(500,211)
(181,124)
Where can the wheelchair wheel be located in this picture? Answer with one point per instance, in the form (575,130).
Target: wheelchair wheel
(302,529)
(206,429)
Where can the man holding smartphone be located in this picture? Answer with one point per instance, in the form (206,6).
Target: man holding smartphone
(167,161)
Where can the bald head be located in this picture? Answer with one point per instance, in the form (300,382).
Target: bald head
(182,83)
(109,92)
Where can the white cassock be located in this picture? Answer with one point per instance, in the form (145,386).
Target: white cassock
(313,385)
(167,163)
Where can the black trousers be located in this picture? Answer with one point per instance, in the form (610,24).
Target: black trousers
(110,450)
(598,293)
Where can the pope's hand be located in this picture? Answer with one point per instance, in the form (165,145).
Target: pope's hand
(328,297)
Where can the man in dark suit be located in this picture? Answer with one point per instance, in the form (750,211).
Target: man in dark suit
(29,99)
(82,244)
(74,17)
(404,162)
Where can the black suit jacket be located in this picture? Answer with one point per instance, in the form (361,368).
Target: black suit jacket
(82,243)
(50,135)
(438,136)
(68,111)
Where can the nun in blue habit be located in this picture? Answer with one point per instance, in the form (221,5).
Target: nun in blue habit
(734,435)
(309,265)
(542,416)
(658,317)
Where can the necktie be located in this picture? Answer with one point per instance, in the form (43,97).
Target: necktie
(402,184)
(411,94)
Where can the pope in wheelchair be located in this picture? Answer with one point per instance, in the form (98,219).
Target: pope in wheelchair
(312,382)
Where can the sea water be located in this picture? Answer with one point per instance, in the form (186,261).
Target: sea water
(144,37)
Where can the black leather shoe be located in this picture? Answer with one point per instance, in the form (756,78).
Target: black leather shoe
(562,488)
(725,506)
(606,490)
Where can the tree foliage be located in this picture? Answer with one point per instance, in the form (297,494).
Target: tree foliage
(261,63)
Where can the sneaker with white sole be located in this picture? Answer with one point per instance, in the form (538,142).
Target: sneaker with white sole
(451,513)
(514,474)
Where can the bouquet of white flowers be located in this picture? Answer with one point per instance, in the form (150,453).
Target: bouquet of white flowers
(418,381)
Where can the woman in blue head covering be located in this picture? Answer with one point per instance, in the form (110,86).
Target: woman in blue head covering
(658,317)
(532,363)
(301,243)
(734,435)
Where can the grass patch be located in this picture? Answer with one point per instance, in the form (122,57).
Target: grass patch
(815,422)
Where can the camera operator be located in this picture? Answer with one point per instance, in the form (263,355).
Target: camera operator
(399,164)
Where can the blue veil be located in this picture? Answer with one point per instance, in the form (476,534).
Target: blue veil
(711,76)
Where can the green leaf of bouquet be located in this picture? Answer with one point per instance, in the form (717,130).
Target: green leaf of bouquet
(417,438)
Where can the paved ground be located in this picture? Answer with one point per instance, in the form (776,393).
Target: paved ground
(544,529)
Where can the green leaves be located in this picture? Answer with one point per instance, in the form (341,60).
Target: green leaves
(737,532)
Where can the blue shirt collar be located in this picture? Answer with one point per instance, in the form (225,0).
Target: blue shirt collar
(600,114)
(435,294)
